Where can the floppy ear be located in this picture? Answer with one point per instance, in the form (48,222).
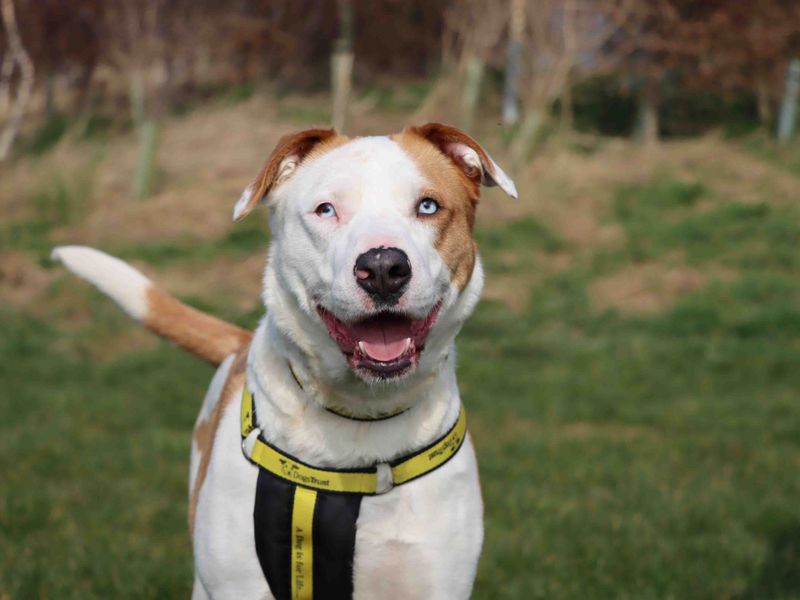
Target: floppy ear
(283,161)
(467,154)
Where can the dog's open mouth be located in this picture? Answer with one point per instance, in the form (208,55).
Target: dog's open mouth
(385,345)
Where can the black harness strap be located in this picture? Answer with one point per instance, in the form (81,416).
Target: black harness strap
(272,518)
(334,545)
(334,536)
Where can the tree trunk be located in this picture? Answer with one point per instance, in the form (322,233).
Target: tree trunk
(146,159)
(145,113)
(6,73)
(342,66)
(647,130)
(23,61)
(342,71)
(514,63)
(471,93)
(511,85)
(788,116)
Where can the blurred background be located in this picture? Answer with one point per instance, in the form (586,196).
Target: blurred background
(631,375)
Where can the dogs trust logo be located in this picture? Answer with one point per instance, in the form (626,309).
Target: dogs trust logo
(448,447)
(292,472)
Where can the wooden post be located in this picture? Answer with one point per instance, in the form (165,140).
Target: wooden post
(471,93)
(342,65)
(647,127)
(146,160)
(6,73)
(788,116)
(147,131)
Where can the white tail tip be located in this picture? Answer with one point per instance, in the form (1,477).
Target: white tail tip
(124,284)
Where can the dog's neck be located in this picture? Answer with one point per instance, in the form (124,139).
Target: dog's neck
(292,415)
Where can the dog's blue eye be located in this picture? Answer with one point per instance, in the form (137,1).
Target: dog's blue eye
(325,210)
(427,206)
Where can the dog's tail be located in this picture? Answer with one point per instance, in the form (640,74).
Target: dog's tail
(201,334)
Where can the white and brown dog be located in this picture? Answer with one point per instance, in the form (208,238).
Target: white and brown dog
(349,380)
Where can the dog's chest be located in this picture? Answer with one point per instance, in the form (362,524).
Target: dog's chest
(421,540)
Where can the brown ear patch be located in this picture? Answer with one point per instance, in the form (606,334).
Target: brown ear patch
(299,144)
(444,135)
(468,154)
(291,150)
(457,192)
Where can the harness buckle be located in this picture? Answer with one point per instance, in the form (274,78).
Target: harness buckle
(249,442)
(384,481)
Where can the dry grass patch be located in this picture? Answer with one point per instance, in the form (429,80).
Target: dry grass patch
(734,173)
(583,223)
(645,288)
(573,193)
(514,290)
(511,290)
(22,279)
(232,282)
(205,159)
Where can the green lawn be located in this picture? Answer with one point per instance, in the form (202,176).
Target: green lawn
(623,454)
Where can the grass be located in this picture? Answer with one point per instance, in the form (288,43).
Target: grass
(93,458)
(246,238)
(404,99)
(785,156)
(60,201)
(623,455)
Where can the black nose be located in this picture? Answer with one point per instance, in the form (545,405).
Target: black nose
(383,273)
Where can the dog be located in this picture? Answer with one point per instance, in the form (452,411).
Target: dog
(330,457)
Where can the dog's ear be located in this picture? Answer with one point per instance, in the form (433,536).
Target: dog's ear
(283,161)
(468,155)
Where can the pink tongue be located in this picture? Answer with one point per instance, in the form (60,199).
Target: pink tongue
(385,352)
(383,341)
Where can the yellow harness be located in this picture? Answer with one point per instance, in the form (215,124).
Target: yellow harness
(315,540)
(352,481)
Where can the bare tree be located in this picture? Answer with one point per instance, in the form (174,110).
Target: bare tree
(19,57)
(551,52)
(561,39)
(747,46)
(476,28)
(139,42)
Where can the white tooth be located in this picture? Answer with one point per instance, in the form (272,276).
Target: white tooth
(408,344)
(361,347)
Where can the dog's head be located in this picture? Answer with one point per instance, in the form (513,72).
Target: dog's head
(373,268)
